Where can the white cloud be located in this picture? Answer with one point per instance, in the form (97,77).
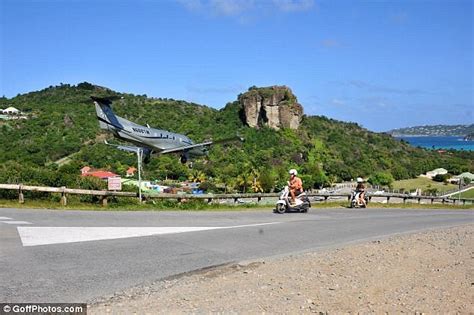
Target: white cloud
(231,7)
(242,7)
(383,89)
(330,43)
(337,102)
(293,5)
(191,5)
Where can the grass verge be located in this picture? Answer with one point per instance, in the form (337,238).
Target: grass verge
(203,206)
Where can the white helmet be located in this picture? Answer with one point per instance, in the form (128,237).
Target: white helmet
(293,172)
(360,180)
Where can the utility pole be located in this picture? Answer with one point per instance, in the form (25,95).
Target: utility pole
(460,185)
(139,158)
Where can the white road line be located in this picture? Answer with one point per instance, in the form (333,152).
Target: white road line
(16,222)
(5,218)
(33,236)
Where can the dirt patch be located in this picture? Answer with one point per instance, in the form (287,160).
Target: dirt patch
(430,272)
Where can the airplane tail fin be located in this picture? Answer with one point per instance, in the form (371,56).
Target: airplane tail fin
(105,115)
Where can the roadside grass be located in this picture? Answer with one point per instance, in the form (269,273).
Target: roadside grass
(423,183)
(203,206)
(465,194)
(166,205)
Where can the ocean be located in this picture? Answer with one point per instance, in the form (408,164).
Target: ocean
(456,143)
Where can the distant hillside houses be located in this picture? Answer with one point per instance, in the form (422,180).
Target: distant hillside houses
(463,176)
(433,173)
(87,171)
(11,113)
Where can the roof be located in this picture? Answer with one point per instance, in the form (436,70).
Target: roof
(101,174)
(465,174)
(438,171)
(11,109)
(131,169)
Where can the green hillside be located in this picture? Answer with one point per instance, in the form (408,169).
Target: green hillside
(62,123)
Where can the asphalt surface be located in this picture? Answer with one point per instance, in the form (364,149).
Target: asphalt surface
(82,271)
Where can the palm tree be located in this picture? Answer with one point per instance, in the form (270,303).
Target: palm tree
(197,176)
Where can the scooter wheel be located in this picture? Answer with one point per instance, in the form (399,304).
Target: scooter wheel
(280,208)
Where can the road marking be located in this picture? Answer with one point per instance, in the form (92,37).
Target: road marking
(15,222)
(5,218)
(33,236)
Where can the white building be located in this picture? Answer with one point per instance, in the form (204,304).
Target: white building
(438,171)
(11,111)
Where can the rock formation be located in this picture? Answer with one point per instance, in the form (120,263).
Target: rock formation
(275,107)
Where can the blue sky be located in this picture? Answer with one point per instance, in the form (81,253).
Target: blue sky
(382,64)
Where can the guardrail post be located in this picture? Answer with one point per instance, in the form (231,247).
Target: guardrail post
(388,199)
(21,198)
(63,196)
(259,199)
(419,200)
(404,200)
(326,198)
(104,201)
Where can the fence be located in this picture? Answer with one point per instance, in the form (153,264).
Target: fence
(104,194)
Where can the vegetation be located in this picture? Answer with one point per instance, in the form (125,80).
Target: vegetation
(62,135)
(465,194)
(425,184)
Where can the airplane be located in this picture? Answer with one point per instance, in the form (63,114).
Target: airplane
(149,140)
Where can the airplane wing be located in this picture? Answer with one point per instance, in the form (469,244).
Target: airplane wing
(200,145)
(186,147)
(124,147)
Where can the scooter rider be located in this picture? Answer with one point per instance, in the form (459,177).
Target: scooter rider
(360,188)
(295,184)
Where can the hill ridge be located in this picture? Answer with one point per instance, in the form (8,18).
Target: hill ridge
(324,150)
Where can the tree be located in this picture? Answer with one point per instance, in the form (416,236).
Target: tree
(381,178)
(441,177)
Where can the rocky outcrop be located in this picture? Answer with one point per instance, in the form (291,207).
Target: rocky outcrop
(275,107)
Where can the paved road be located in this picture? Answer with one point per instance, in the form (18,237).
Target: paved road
(77,256)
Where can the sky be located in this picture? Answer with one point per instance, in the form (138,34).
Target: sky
(381,64)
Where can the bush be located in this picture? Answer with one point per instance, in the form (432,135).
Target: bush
(442,178)
(382,179)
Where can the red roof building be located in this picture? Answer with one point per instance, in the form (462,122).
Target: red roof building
(87,171)
(131,171)
(101,174)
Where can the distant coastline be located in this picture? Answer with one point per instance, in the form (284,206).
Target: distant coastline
(439,142)
(413,135)
(434,131)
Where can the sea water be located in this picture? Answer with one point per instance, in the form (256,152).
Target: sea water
(453,142)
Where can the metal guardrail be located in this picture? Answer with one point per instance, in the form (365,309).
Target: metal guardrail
(104,194)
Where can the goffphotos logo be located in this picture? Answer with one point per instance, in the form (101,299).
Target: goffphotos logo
(43,308)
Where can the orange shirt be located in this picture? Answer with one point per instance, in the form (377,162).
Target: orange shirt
(296,183)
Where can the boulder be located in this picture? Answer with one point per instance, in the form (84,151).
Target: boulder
(275,107)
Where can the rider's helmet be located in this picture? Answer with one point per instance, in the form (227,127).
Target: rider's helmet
(293,172)
(360,180)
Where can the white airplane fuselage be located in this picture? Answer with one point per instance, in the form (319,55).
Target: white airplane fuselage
(155,140)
